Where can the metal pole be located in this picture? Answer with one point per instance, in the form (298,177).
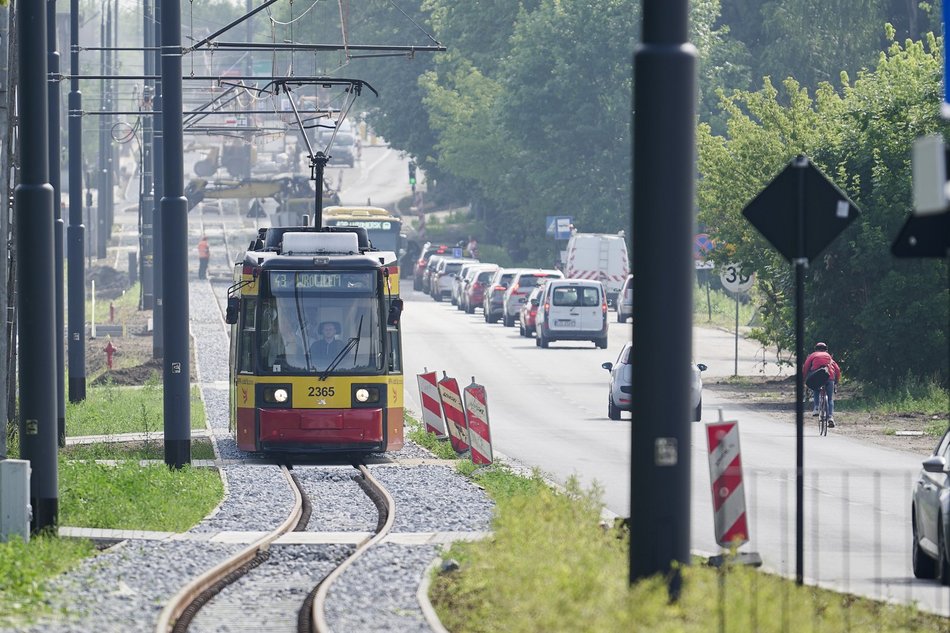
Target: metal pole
(101,184)
(146,201)
(75,233)
(664,184)
(800,262)
(174,211)
(55,141)
(735,371)
(36,300)
(6,388)
(158,180)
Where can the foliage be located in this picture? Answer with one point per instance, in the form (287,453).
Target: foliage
(127,496)
(875,312)
(551,566)
(109,410)
(26,567)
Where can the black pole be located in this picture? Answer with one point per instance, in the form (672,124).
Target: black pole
(318,165)
(106,125)
(146,201)
(55,140)
(662,229)
(75,233)
(158,183)
(800,263)
(101,183)
(36,300)
(174,212)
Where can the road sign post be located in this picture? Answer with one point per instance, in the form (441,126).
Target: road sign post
(800,213)
(736,282)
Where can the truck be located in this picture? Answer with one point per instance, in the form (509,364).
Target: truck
(598,256)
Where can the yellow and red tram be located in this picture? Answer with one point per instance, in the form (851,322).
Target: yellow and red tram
(316,350)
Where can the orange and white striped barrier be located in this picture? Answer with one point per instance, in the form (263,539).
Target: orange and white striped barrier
(454,413)
(476,408)
(431,404)
(725,475)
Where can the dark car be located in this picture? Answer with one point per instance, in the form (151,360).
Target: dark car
(495,293)
(930,515)
(428,250)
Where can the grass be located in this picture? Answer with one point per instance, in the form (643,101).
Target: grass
(24,569)
(125,305)
(552,566)
(915,396)
(718,307)
(110,409)
(136,451)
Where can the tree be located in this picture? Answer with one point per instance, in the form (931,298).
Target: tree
(877,312)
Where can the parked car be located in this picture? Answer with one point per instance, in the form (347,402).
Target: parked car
(572,310)
(474,293)
(930,515)
(442,277)
(428,250)
(344,149)
(495,293)
(529,312)
(624,301)
(621,381)
(458,282)
(519,289)
(429,270)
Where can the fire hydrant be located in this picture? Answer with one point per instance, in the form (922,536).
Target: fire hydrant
(110,351)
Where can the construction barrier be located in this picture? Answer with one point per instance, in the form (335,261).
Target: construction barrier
(725,476)
(431,407)
(476,408)
(454,413)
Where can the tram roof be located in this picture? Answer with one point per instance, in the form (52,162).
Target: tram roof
(268,260)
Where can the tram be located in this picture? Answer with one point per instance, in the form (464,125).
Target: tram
(316,349)
(383,227)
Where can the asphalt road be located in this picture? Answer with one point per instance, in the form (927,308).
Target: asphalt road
(548,410)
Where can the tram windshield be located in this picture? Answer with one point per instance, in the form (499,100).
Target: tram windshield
(323,322)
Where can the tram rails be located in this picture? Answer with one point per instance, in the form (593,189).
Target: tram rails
(182,609)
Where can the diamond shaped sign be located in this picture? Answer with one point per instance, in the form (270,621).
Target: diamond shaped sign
(800,199)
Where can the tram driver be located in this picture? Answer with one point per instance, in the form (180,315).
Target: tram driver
(328,346)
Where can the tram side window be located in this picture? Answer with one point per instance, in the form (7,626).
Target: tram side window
(248,328)
(395,350)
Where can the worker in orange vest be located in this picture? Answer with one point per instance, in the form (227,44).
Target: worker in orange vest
(204,254)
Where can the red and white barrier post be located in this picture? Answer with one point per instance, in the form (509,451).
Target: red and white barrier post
(431,404)
(725,476)
(476,407)
(454,413)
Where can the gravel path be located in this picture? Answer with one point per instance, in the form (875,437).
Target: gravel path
(124,588)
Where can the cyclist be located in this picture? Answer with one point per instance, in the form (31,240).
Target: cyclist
(815,361)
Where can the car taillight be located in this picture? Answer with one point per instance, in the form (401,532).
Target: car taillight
(476,285)
(501,288)
(603,306)
(514,290)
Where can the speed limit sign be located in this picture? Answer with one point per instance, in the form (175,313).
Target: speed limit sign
(734,279)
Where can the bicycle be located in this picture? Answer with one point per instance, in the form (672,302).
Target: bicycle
(823,412)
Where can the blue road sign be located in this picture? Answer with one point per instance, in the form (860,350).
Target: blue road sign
(558,226)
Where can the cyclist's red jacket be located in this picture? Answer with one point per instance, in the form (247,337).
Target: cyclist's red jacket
(816,360)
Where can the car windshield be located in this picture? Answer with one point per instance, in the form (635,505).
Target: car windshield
(452,267)
(311,320)
(485,276)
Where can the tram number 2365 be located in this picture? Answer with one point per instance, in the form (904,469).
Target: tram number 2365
(320,392)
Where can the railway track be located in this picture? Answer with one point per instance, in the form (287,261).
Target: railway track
(182,609)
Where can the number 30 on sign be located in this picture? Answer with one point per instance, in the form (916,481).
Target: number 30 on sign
(734,279)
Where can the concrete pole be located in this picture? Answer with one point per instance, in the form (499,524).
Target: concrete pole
(36,300)
(55,145)
(174,212)
(75,233)
(158,162)
(663,224)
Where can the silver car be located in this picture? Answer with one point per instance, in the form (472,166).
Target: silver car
(930,515)
(621,381)
(521,286)
(624,301)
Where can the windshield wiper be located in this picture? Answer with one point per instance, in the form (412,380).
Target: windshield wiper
(339,357)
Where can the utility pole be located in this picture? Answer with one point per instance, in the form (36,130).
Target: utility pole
(55,145)
(75,233)
(174,212)
(146,201)
(102,197)
(663,187)
(33,205)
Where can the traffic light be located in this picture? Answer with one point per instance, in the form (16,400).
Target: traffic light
(412,173)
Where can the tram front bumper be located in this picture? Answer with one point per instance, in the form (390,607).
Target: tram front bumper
(335,427)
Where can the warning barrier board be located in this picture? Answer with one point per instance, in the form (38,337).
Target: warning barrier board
(454,413)
(725,475)
(476,407)
(431,407)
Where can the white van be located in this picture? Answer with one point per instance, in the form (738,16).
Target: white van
(598,256)
(572,310)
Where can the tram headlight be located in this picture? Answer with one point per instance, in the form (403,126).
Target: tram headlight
(276,395)
(366,395)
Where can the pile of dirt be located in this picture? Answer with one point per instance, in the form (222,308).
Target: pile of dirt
(110,283)
(137,375)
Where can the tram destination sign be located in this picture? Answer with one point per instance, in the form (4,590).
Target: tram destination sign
(291,281)
(369,225)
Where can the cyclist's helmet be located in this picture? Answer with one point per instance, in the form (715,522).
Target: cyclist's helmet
(821,347)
